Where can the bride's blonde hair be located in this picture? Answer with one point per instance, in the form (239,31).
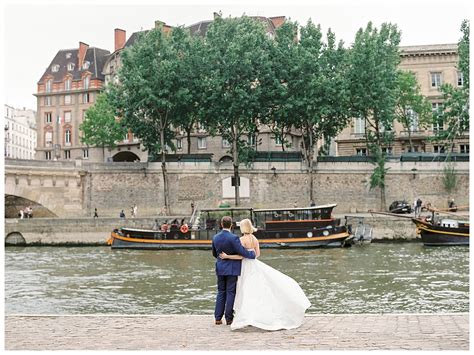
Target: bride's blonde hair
(246,226)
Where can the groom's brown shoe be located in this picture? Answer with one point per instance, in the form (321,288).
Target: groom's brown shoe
(228,322)
(218,322)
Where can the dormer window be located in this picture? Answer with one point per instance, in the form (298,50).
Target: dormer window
(86,65)
(68,55)
(70,66)
(55,68)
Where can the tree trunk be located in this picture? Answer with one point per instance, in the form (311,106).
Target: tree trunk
(383,204)
(310,165)
(235,157)
(165,175)
(188,134)
(409,140)
(103,154)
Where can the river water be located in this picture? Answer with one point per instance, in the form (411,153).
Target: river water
(375,278)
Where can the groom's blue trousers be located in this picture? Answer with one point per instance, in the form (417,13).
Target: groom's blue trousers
(226,287)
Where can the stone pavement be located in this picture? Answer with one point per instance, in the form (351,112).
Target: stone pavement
(197,332)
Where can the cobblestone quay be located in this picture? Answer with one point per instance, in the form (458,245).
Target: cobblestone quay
(197,332)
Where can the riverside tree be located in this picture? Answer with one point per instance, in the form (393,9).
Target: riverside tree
(312,87)
(412,109)
(455,112)
(152,91)
(373,76)
(238,84)
(100,127)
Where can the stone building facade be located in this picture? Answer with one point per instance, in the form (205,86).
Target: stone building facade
(76,75)
(20,133)
(66,90)
(432,65)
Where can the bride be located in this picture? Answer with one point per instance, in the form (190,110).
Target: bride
(265,298)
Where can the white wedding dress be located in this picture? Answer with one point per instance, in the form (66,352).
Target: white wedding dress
(267,298)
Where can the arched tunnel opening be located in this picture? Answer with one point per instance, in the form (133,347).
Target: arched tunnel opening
(13,205)
(125,156)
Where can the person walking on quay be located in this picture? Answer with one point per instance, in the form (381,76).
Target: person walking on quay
(122,215)
(227,270)
(192,207)
(135,210)
(96,215)
(418,204)
(265,298)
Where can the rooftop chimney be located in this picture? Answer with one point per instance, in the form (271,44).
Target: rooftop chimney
(82,53)
(217,14)
(120,37)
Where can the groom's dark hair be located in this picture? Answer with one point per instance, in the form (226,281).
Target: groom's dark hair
(226,222)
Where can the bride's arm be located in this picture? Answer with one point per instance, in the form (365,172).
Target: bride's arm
(235,257)
(257,247)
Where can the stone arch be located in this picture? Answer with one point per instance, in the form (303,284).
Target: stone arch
(15,239)
(225,159)
(13,205)
(125,156)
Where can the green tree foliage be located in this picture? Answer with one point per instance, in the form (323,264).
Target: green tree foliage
(194,72)
(153,90)
(312,86)
(373,80)
(100,127)
(239,83)
(412,110)
(455,112)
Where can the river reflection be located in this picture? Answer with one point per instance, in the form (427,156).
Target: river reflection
(389,278)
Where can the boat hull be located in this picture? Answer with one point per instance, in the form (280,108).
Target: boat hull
(432,235)
(118,241)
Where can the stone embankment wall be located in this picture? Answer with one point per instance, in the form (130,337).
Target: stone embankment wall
(89,231)
(74,189)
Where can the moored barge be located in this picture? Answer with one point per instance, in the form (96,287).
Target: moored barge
(308,227)
(444,232)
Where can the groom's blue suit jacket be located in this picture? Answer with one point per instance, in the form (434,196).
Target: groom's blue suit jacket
(229,243)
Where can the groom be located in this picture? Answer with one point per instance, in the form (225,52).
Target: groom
(227,270)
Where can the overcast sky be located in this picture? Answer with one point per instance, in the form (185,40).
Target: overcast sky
(34,32)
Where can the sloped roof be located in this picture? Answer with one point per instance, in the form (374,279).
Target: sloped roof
(95,56)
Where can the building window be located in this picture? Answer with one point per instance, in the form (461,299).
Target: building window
(47,100)
(67,137)
(86,82)
(70,66)
(86,98)
(361,151)
(67,154)
(47,155)
(67,99)
(225,143)
(252,140)
(55,68)
(48,117)
(86,65)
(48,138)
(201,127)
(460,79)
(436,80)
(413,116)
(179,143)
(359,125)
(388,151)
(438,149)
(49,85)
(464,148)
(68,84)
(201,142)
(67,116)
(68,55)
(85,153)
